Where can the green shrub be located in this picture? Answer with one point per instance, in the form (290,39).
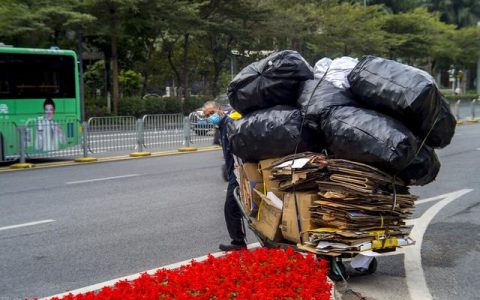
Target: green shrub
(131,106)
(192,103)
(469,96)
(94,110)
(136,106)
(172,105)
(154,105)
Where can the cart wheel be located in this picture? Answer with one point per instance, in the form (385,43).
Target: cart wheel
(337,271)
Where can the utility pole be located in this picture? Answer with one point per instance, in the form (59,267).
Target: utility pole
(478,68)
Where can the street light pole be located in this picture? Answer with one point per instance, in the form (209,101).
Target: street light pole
(80,74)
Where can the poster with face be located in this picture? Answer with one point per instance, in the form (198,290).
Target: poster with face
(49,134)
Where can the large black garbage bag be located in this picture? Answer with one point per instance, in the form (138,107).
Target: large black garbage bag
(423,169)
(271,81)
(269,133)
(369,137)
(403,92)
(444,128)
(317,97)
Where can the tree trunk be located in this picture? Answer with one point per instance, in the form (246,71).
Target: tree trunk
(217,69)
(114,42)
(174,69)
(185,65)
(146,72)
(107,80)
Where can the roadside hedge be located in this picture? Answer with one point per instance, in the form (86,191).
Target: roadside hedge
(136,106)
(467,97)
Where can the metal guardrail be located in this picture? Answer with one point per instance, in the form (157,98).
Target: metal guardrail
(466,110)
(163,131)
(201,130)
(41,138)
(112,134)
(50,138)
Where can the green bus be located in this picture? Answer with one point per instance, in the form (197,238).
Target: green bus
(39,90)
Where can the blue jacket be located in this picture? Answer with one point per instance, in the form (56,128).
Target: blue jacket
(229,161)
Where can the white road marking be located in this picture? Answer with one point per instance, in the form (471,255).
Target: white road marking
(26,224)
(414,275)
(99,286)
(102,179)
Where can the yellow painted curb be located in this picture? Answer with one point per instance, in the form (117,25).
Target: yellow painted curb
(187,149)
(471,121)
(459,122)
(86,159)
(22,166)
(140,154)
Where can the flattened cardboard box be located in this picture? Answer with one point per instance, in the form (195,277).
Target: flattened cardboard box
(269,184)
(268,220)
(250,179)
(252,172)
(289,225)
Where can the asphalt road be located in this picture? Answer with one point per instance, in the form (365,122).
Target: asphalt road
(120,218)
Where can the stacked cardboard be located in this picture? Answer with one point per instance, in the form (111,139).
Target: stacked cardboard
(332,206)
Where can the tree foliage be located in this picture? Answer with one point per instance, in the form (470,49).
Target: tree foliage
(196,45)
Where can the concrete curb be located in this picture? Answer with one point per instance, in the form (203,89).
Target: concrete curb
(19,166)
(140,154)
(85,159)
(187,149)
(468,121)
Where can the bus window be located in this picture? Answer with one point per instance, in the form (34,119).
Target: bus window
(24,76)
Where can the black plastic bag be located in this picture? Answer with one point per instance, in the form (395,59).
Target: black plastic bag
(423,169)
(271,81)
(403,92)
(369,137)
(269,133)
(444,128)
(318,97)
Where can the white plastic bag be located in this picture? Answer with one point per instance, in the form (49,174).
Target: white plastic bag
(338,70)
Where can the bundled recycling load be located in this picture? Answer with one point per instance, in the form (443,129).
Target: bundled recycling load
(353,207)
(374,111)
(376,121)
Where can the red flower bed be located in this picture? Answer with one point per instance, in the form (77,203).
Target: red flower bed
(259,274)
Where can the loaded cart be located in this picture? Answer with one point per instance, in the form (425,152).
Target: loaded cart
(335,209)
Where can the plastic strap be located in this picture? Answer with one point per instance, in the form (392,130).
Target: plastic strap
(422,143)
(296,150)
(394,204)
(259,208)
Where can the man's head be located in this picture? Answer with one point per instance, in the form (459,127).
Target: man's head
(49,108)
(212,107)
